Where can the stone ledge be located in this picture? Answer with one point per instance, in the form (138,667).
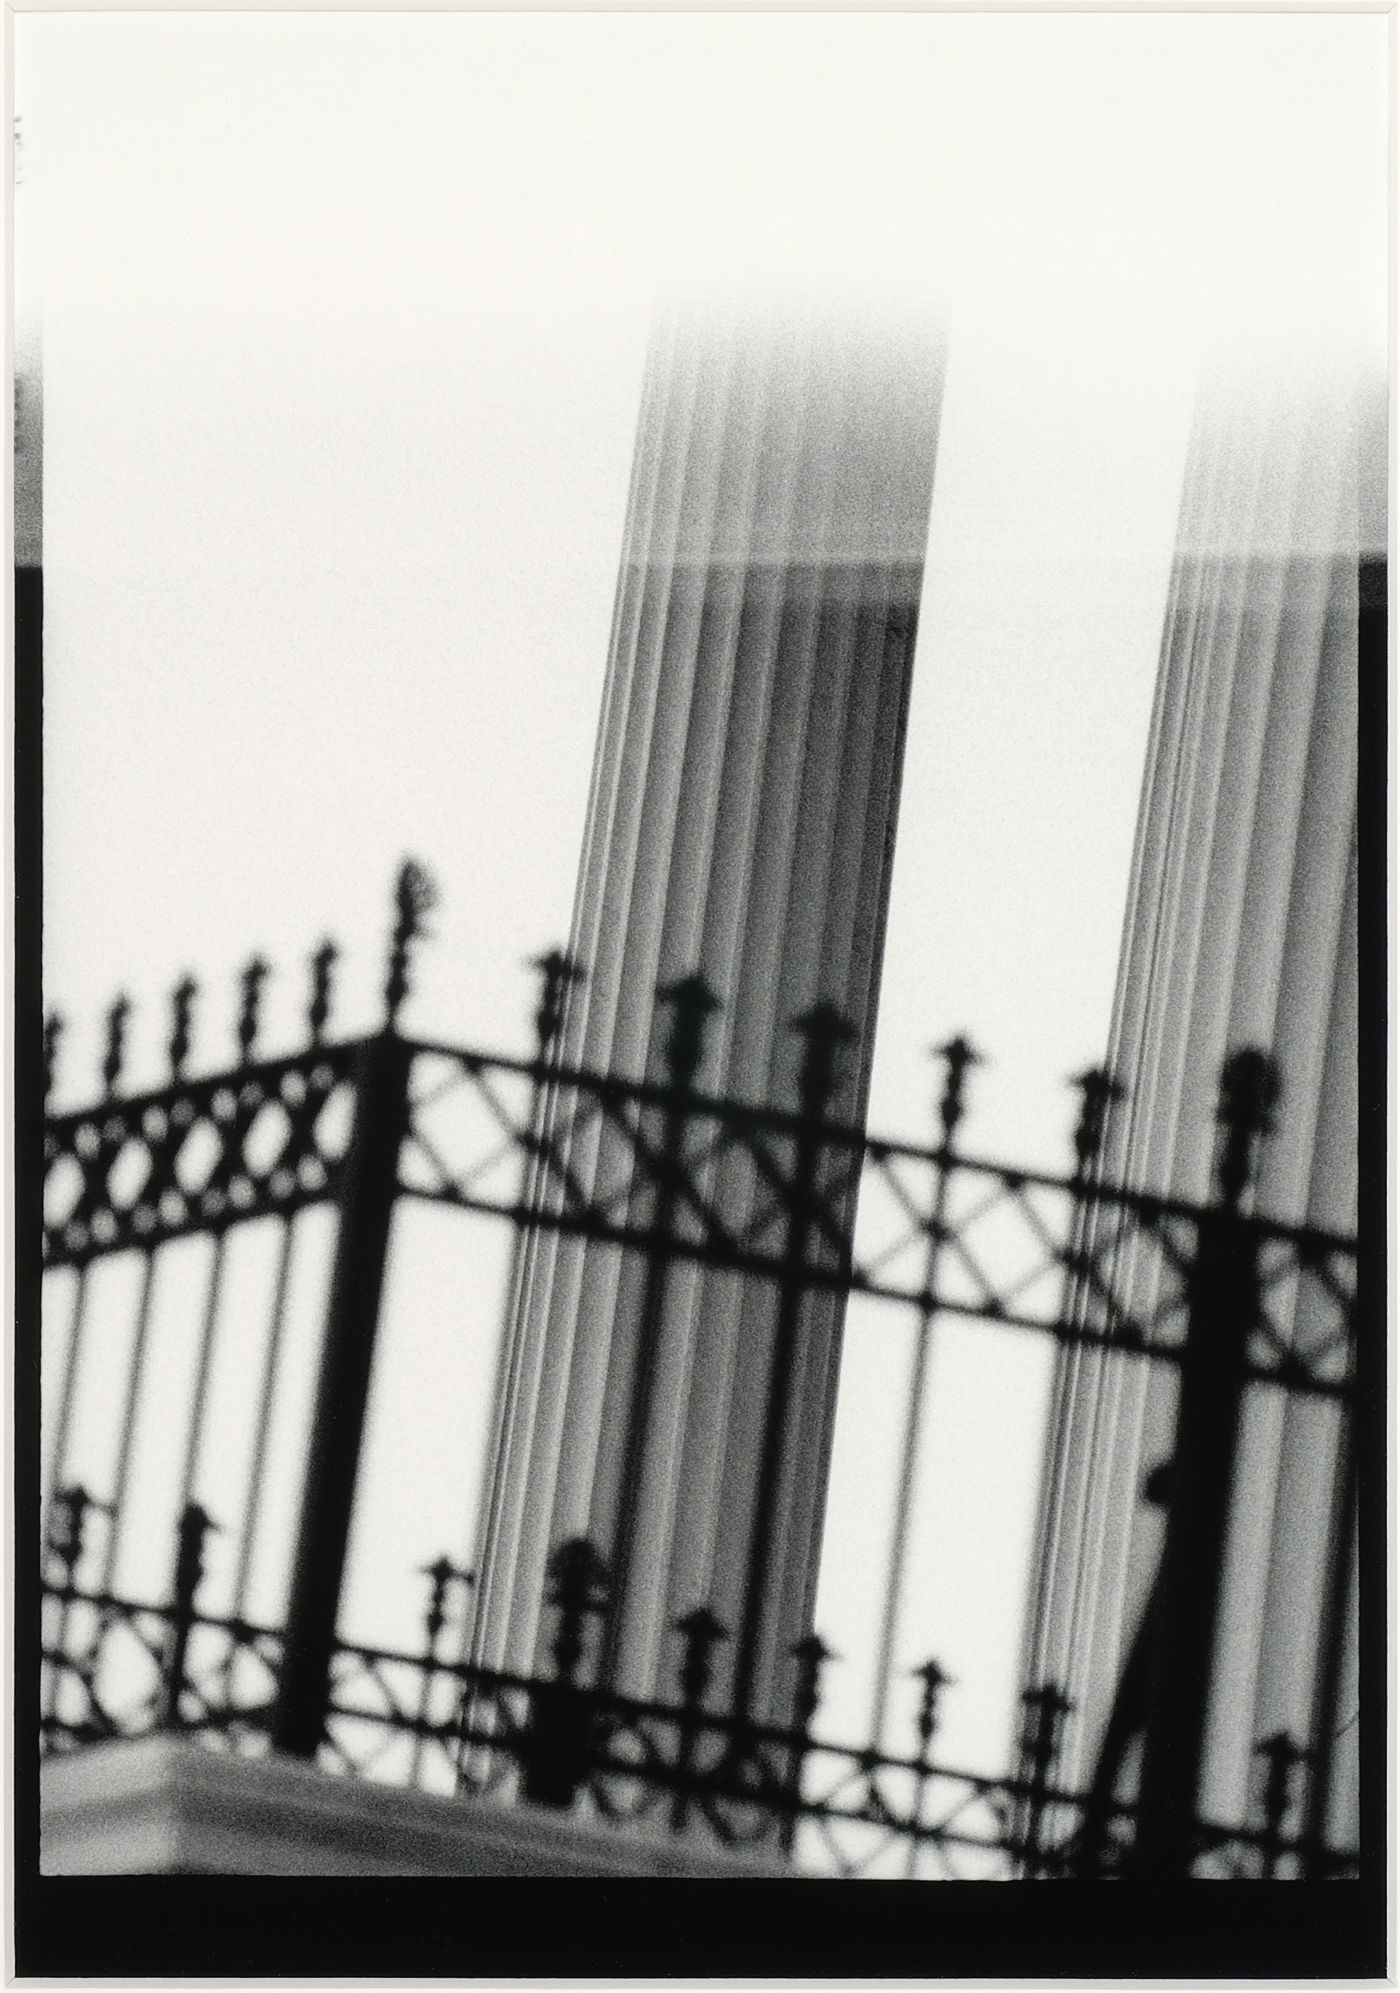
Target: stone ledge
(164,1806)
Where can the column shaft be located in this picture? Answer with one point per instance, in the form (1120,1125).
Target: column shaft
(740,824)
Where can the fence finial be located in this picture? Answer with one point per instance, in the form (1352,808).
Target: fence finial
(1097,1090)
(250,983)
(690,1001)
(68,1525)
(822,1029)
(934,1679)
(318,1010)
(53,1031)
(702,1633)
(414,895)
(181,1007)
(441,1574)
(1046,1708)
(1250,1090)
(114,1056)
(958,1055)
(194,1525)
(579,1584)
(558,972)
(811,1654)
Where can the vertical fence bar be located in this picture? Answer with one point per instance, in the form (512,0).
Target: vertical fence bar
(701,1632)
(369,1187)
(1337,1630)
(1080,1305)
(932,1680)
(66,1545)
(68,1389)
(441,1575)
(317,1016)
(113,1060)
(811,1654)
(1223,1290)
(262,1429)
(823,1028)
(199,1403)
(233,1133)
(957,1055)
(690,1002)
(557,975)
(121,1477)
(162,1149)
(1044,1711)
(1282,1760)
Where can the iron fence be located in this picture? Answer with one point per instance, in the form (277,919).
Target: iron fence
(761,1191)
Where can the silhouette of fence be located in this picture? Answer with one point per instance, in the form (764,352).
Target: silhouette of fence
(360,1125)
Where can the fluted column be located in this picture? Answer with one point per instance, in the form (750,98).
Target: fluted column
(740,825)
(1240,930)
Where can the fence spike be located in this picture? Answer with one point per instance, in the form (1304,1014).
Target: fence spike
(114,1057)
(822,1029)
(1097,1090)
(53,1031)
(181,1008)
(958,1055)
(690,1001)
(1250,1091)
(318,1010)
(558,972)
(250,983)
(415,894)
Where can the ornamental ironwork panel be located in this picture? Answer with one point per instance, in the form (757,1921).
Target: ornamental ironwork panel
(1231,1300)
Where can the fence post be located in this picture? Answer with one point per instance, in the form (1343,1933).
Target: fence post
(559,1744)
(369,1186)
(1223,1292)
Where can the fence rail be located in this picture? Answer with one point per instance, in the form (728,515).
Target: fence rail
(1236,1300)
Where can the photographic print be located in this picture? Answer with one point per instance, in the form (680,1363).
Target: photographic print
(700,762)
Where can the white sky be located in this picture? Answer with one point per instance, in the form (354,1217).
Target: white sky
(343,325)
